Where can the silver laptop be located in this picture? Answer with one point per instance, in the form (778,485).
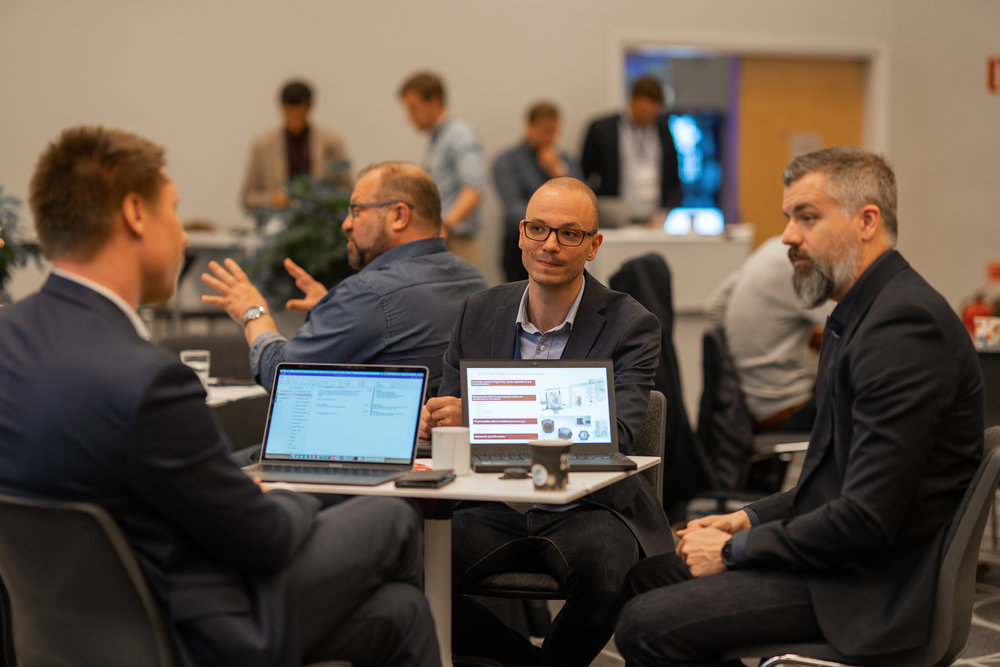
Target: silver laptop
(341,423)
(508,403)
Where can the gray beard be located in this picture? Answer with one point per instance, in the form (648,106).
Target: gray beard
(817,283)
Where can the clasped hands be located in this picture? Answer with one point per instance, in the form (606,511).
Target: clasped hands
(237,293)
(440,411)
(701,541)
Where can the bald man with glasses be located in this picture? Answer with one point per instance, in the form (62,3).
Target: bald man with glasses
(561,311)
(398,309)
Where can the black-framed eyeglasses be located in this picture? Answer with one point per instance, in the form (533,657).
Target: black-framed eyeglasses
(565,236)
(353,208)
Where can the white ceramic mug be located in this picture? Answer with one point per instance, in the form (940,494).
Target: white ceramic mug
(450,449)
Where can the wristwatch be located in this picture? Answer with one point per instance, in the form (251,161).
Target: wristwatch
(252,313)
(727,554)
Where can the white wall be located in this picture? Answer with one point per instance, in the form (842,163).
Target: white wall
(201,77)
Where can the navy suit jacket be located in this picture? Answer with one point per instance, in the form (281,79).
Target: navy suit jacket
(898,436)
(91,412)
(608,325)
(601,161)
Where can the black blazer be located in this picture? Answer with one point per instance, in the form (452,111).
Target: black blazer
(898,436)
(608,325)
(601,161)
(91,412)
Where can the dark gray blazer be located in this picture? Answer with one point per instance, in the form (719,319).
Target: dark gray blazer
(91,412)
(608,325)
(898,436)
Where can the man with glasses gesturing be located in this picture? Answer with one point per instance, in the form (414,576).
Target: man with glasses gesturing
(398,309)
(559,312)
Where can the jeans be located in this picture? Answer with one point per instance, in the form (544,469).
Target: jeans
(673,620)
(587,549)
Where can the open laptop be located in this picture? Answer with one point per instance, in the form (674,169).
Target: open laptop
(508,403)
(341,423)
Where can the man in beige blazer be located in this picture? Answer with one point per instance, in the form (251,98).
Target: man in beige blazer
(297,147)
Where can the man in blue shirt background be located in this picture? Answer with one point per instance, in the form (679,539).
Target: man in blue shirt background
(398,309)
(454,160)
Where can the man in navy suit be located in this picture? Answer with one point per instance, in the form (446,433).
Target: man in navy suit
(91,411)
(559,312)
(850,555)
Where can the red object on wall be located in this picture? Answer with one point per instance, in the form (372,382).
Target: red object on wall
(993,270)
(993,74)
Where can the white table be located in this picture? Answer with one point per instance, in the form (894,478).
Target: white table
(225,394)
(437,532)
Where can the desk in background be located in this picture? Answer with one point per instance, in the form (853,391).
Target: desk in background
(437,530)
(697,263)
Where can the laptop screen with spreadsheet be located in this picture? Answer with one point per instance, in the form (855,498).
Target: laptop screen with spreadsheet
(344,413)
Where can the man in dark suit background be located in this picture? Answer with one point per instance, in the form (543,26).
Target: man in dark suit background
(91,411)
(632,155)
(559,312)
(850,555)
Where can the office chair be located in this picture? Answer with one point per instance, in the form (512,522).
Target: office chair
(648,280)
(77,595)
(954,596)
(649,441)
(728,445)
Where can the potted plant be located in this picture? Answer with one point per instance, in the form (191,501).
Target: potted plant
(12,254)
(308,231)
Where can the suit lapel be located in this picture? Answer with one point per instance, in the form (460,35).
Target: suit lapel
(504,329)
(590,320)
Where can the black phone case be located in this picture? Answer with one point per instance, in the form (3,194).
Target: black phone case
(426,479)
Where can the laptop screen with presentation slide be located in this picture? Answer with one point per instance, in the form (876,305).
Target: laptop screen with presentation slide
(327,419)
(508,403)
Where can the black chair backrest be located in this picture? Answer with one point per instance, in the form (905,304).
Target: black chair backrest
(230,357)
(77,595)
(956,586)
(725,425)
(647,279)
(649,441)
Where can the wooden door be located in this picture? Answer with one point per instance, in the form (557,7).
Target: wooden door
(788,107)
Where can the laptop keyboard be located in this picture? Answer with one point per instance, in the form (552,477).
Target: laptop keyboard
(577,461)
(319,470)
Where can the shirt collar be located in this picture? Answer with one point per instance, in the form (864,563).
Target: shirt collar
(410,249)
(439,128)
(522,312)
(130,312)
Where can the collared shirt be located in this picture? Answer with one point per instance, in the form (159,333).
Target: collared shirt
(640,154)
(533,343)
(130,312)
(399,309)
(455,161)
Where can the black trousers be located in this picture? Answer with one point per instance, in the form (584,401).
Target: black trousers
(672,619)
